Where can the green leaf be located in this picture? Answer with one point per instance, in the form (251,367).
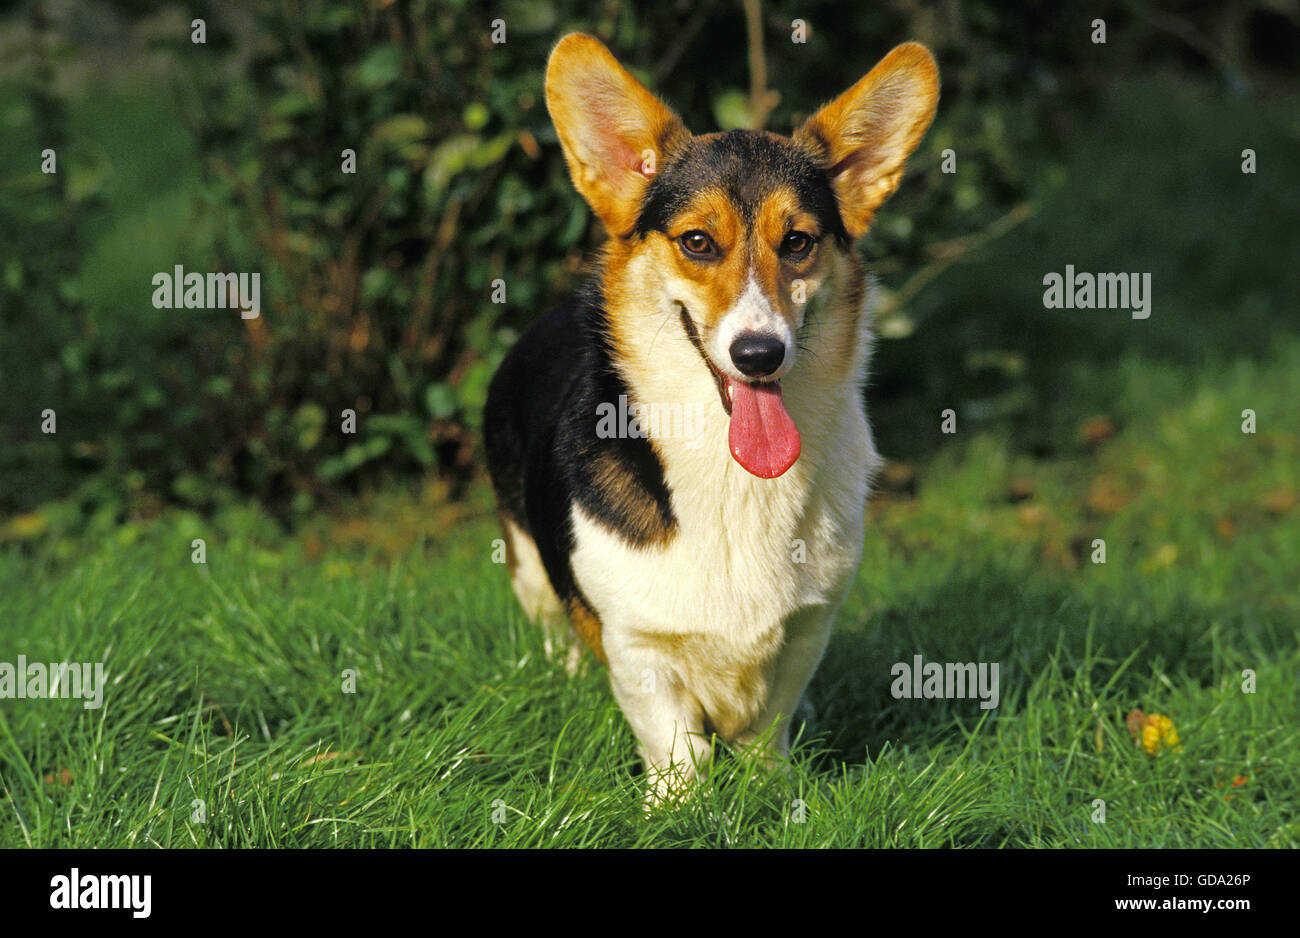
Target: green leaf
(449,158)
(440,401)
(731,109)
(308,424)
(294,103)
(400,132)
(490,151)
(380,68)
(476,115)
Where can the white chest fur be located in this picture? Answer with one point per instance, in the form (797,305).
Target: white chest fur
(751,558)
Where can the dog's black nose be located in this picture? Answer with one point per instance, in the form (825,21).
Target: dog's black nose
(757,355)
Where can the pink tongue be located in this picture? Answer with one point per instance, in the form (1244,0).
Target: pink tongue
(763,438)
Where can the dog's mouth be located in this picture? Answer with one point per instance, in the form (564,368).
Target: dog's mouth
(762,436)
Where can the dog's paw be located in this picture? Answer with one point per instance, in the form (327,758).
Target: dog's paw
(567,652)
(669,788)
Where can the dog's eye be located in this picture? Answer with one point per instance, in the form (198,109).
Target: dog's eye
(797,244)
(696,244)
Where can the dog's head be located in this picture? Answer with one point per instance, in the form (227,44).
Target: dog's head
(740,227)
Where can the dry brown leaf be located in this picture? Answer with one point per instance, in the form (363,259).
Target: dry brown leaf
(326,756)
(1021,489)
(1279,501)
(1096,430)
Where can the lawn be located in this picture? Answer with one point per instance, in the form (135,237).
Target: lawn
(226,721)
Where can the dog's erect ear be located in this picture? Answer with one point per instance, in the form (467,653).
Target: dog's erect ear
(614,132)
(866,134)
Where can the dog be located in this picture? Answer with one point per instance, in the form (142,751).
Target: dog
(703,567)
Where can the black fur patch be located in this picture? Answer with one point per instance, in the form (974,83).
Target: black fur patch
(543,452)
(748,165)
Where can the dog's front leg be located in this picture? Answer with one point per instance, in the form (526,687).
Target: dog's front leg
(769,734)
(667,719)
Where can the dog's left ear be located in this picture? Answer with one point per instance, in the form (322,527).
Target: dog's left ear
(865,136)
(614,132)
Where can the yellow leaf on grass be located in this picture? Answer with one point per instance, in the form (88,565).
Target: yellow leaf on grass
(1153,731)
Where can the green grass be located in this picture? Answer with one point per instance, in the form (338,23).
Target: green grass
(226,679)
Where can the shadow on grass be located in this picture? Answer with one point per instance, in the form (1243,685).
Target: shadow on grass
(993,614)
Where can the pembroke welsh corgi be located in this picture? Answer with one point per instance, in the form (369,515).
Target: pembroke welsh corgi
(680,452)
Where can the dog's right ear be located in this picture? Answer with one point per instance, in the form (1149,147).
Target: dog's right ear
(614,132)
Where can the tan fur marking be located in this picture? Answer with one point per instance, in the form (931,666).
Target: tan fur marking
(638,505)
(719,281)
(779,215)
(607,123)
(865,136)
(587,626)
(714,286)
